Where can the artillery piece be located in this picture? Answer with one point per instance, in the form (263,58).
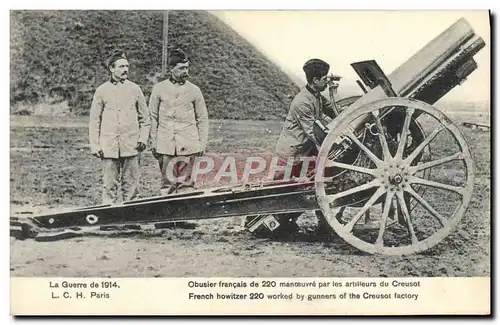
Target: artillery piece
(373,171)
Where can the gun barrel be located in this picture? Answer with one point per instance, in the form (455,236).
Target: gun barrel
(449,74)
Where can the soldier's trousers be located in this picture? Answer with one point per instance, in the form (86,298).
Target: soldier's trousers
(120,174)
(176,173)
(296,171)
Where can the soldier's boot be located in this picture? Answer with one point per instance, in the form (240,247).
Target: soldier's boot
(324,229)
(288,223)
(167,190)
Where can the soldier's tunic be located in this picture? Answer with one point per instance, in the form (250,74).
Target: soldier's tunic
(179,128)
(119,118)
(297,136)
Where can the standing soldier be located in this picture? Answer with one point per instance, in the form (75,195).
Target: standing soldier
(118,130)
(179,125)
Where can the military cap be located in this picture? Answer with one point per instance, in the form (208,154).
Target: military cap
(316,68)
(177,56)
(115,56)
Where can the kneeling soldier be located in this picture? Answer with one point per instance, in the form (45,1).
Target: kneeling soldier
(297,138)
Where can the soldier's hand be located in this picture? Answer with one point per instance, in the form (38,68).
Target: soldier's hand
(140,146)
(97,153)
(155,154)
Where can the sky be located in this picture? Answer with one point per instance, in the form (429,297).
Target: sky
(289,38)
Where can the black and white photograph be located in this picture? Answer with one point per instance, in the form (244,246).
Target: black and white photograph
(250,144)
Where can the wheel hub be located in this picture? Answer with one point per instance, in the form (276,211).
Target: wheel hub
(394,177)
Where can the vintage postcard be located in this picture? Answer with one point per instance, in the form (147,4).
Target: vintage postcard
(180,162)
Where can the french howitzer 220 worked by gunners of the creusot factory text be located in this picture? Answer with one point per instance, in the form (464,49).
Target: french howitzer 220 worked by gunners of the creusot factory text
(380,172)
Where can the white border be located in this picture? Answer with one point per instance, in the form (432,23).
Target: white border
(209,5)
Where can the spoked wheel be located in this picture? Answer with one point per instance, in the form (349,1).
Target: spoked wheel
(405,209)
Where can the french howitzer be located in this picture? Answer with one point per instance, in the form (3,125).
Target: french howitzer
(380,175)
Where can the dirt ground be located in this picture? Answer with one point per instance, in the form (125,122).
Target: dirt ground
(51,167)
